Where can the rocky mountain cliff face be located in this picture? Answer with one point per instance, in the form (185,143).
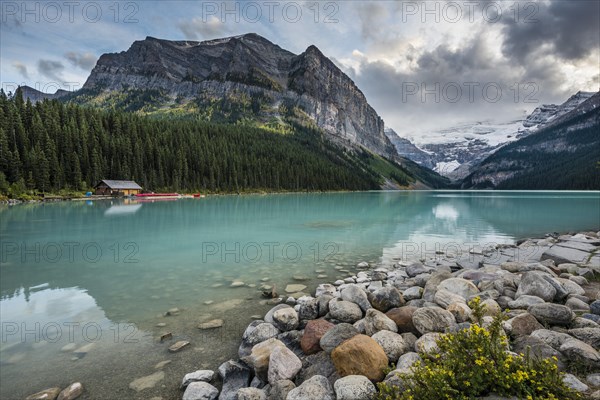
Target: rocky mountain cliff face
(549,112)
(255,77)
(406,148)
(563,154)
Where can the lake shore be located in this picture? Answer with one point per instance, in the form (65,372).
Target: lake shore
(335,344)
(58,198)
(365,303)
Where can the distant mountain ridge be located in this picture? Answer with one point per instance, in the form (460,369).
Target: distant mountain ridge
(35,95)
(237,78)
(563,154)
(454,151)
(548,113)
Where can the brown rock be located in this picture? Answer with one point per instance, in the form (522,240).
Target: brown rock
(313,332)
(360,355)
(47,394)
(524,325)
(260,356)
(403,318)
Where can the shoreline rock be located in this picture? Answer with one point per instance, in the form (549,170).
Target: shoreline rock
(337,344)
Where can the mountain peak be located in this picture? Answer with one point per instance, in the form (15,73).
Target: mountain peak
(314,49)
(248,66)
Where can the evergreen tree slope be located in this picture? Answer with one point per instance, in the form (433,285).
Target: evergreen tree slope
(51,146)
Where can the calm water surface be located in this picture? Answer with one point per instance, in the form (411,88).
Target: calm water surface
(103,274)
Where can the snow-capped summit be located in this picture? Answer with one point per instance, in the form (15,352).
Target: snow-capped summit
(453,151)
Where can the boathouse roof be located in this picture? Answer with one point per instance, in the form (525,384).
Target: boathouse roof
(119,184)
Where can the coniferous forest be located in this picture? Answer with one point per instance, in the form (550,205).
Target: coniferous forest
(53,146)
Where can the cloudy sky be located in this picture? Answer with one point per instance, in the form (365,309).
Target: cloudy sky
(422,65)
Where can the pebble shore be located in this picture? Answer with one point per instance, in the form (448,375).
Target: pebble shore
(337,343)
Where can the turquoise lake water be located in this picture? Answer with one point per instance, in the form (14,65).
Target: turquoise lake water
(103,274)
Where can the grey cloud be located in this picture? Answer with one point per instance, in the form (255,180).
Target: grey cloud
(443,71)
(84,61)
(570,28)
(372,16)
(22,68)
(445,61)
(51,69)
(197,28)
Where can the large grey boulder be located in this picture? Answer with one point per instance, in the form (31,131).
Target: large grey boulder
(283,365)
(279,390)
(257,332)
(595,307)
(537,349)
(433,319)
(590,336)
(534,284)
(524,301)
(307,307)
(317,364)
(571,287)
(196,376)
(577,351)
(392,343)
(344,311)
(561,292)
(201,391)
(565,255)
(386,298)
(376,321)
(235,376)
(552,338)
(552,314)
(251,393)
(325,289)
(407,360)
(412,293)
(417,269)
(574,383)
(336,335)
(444,298)
(317,387)
(432,284)
(269,315)
(354,387)
(285,319)
(459,286)
(356,295)
(428,343)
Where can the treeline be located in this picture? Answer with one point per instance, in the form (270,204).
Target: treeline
(52,146)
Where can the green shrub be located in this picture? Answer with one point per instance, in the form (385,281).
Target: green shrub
(474,362)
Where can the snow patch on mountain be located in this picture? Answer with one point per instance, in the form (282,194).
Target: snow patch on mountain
(444,168)
(490,132)
(453,151)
